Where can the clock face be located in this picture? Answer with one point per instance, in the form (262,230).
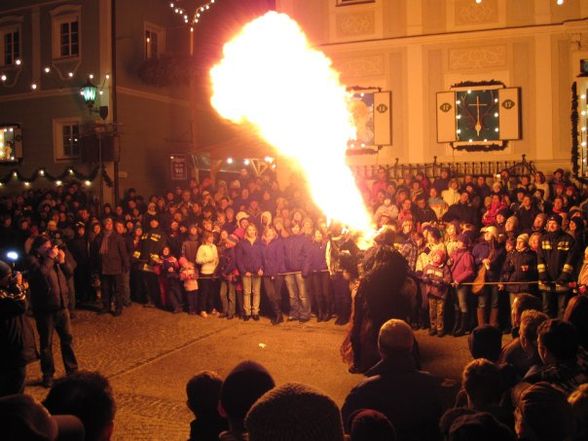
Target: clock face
(477,115)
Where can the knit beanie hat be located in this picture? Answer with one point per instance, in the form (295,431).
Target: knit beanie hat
(243,386)
(294,412)
(523,237)
(371,425)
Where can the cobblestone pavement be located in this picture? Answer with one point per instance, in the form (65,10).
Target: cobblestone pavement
(149,355)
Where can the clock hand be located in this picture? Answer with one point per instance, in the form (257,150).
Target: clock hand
(478,125)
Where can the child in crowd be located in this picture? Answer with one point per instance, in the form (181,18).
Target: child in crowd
(436,279)
(189,276)
(171,281)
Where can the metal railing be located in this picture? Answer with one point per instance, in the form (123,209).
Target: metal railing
(456,169)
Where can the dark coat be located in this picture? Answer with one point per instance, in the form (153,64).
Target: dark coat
(411,399)
(17,346)
(249,256)
(116,259)
(483,250)
(296,252)
(520,266)
(316,260)
(461,212)
(557,257)
(48,283)
(274,262)
(463,267)
(227,266)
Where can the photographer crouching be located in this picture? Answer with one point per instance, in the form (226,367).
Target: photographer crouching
(17,345)
(48,272)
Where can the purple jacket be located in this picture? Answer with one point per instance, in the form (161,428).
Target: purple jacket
(297,249)
(249,257)
(463,267)
(316,259)
(274,261)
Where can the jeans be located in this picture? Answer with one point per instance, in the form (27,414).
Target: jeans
(489,295)
(299,303)
(227,296)
(319,287)
(273,288)
(251,295)
(463,293)
(554,303)
(47,322)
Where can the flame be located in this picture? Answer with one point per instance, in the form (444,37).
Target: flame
(271,78)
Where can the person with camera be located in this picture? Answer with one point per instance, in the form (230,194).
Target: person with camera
(17,346)
(48,272)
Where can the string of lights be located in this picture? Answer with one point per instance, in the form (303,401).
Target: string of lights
(58,180)
(196,15)
(47,70)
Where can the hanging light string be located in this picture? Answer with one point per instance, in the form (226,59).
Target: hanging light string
(58,180)
(47,70)
(196,16)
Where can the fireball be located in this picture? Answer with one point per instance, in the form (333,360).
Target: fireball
(288,93)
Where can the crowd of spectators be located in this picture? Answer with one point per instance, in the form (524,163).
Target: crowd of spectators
(509,250)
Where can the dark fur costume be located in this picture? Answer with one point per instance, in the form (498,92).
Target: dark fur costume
(384,292)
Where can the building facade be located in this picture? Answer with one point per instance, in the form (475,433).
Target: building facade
(418,48)
(50,49)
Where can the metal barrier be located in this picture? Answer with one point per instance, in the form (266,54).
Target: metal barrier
(456,169)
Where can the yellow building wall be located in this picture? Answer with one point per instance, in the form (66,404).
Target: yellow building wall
(416,48)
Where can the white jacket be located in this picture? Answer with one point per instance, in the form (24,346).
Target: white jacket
(207,257)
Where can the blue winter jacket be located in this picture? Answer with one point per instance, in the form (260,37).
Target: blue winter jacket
(249,257)
(297,249)
(316,260)
(274,258)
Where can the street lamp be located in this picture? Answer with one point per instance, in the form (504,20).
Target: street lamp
(88,92)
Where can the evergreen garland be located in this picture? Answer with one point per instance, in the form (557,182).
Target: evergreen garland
(575,133)
(68,173)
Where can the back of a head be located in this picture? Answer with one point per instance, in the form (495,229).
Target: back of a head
(579,402)
(482,382)
(294,412)
(243,386)
(203,391)
(559,338)
(530,322)
(88,396)
(485,342)
(371,425)
(22,418)
(543,414)
(577,314)
(395,337)
(480,426)
(525,302)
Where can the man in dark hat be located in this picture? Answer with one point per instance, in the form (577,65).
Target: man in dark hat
(557,257)
(48,272)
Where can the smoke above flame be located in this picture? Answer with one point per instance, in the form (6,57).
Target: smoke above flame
(272,79)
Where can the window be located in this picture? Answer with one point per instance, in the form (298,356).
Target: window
(66,134)
(66,32)
(69,39)
(151,44)
(154,41)
(9,46)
